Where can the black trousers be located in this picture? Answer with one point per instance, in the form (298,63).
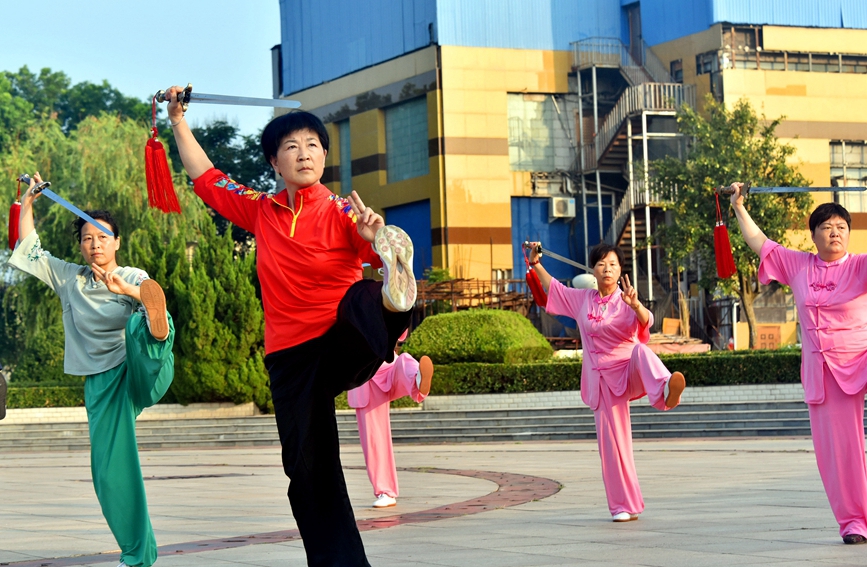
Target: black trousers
(304,381)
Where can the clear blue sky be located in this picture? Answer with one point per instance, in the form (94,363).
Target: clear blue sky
(221,46)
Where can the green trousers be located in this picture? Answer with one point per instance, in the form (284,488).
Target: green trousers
(114,399)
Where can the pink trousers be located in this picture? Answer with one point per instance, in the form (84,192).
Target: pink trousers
(646,375)
(374,425)
(838,439)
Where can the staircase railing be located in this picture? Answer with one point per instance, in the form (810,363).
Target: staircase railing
(618,223)
(653,65)
(608,52)
(646,97)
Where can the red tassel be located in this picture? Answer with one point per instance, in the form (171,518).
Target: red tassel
(722,246)
(14,215)
(539,295)
(161,190)
(535,285)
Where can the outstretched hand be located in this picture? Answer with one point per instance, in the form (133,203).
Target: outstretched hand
(630,294)
(367,221)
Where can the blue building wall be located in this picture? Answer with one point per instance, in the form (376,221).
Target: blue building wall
(414,218)
(530,222)
(326,39)
(525,24)
(665,20)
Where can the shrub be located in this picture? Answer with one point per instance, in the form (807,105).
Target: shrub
(45,397)
(478,335)
(708,369)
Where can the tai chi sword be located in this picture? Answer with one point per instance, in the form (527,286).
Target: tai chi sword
(188,96)
(44,189)
(564,259)
(747,189)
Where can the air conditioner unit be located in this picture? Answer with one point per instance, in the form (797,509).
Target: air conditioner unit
(561,208)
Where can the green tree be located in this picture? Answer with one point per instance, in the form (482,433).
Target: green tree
(236,155)
(727,145)
(219,325)
(100,165)
(16,115)
(52,94)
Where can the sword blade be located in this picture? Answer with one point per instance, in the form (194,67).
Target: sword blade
(566,260)
(804,189)
(243,100)
(72,208)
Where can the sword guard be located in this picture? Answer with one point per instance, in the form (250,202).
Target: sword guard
(183,96)
(37,189)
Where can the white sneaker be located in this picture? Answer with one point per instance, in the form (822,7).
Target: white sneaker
(624,517)
(398,282)
(154,302)
(384,501)
(122,564)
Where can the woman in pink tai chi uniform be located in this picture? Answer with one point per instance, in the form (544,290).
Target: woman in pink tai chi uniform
(405,376)
(617,367)
(830,289)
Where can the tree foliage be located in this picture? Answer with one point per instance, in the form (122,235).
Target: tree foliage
(52,94)
(727,145)
(209,289)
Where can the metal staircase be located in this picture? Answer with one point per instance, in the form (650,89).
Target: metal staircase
(620,140)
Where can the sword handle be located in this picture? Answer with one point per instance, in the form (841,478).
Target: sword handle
(183,96)
(38,188)
(529,246)
(727,190)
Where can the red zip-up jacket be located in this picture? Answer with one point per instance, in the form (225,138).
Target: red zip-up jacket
(307,254)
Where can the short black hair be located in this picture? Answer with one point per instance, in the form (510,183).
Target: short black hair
(602,250)
(79,223)
(826,211)
(289,123)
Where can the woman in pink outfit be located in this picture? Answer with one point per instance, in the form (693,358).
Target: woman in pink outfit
(617,367)
(830,289)
(403,377)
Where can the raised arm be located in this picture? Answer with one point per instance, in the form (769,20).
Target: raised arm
(544,276)
(194,158)
(25,218)
(751,232)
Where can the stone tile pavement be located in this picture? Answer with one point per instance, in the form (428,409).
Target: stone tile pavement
(737,502)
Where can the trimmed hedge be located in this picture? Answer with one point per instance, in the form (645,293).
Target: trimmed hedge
(478,335)
(707,369)
(45,397)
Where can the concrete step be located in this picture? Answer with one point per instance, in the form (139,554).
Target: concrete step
(442,426)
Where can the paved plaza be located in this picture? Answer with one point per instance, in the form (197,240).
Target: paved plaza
(735,502)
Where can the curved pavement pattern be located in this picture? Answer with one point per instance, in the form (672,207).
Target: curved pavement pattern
(512,490)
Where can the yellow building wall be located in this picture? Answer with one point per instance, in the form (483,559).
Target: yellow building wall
(479,184)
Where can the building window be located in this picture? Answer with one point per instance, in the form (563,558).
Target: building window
(853,64)
(799,62)
(849,169)
(706,63)
(345,157)
(825,63)
(532,122)
(772,61)
(406,140)
(676,68)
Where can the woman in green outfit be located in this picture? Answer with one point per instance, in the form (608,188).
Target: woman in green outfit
(124,352)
